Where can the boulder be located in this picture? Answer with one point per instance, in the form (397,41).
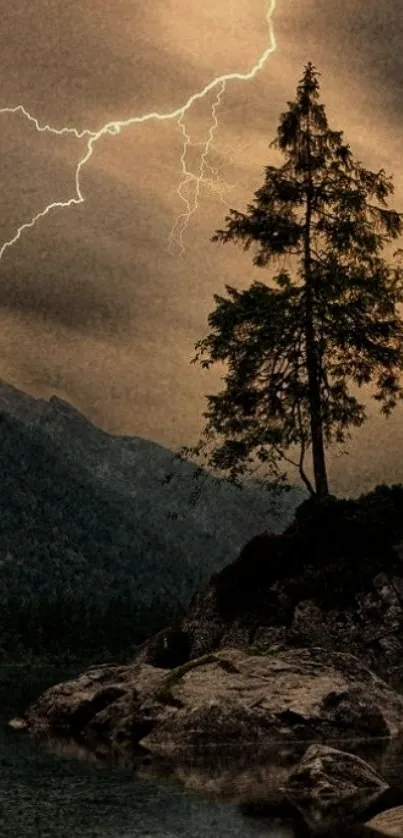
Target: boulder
(240,699)
(331,787)
(229,698)
(109,691)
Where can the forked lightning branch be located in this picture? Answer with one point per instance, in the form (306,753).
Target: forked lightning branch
(190,180)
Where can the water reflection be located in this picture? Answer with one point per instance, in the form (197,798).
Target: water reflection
(228,774)
(54,787)
(250,782)
(225,775)
(61,789)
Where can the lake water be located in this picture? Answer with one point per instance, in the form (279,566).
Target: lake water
(56,791)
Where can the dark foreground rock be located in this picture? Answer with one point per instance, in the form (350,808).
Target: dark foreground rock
(230,698)
(331,787)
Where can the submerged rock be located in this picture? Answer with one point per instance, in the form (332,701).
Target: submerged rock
(330,786)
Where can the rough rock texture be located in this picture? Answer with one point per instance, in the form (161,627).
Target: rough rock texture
(70,706)
(299,694)
(330,786)
(349,602)
(388,823)
(227,699)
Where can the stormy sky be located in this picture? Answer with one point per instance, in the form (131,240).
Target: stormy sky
(94,305)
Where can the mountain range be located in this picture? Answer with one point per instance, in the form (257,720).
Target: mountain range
(99,540)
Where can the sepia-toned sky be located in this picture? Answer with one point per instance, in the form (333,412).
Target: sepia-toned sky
(93,305)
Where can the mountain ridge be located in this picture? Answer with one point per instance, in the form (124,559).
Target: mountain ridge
(85,519)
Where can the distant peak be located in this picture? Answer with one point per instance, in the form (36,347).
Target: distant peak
(67,409)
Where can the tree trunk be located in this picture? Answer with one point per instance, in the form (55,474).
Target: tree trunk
(318,449)
(312,361)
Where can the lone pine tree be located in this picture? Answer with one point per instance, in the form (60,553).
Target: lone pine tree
(328,320)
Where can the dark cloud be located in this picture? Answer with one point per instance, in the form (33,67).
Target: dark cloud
(88,64)
(92,304)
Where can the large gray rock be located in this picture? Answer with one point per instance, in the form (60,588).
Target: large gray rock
(70,706)
(330,786)
(287,695)
(229,698)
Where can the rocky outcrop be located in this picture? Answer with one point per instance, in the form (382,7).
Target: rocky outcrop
(370,626)
(338,585)
(229,698)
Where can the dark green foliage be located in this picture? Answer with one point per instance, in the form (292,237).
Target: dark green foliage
(345,543)
(374,519)
(72,567)
(21,684)
(298,350)
(63,630)
(91,562)
(333,548)
(261,562)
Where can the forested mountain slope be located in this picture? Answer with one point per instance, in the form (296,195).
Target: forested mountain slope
(95,550)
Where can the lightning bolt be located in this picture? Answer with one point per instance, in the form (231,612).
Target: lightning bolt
(218,84)
(183,219)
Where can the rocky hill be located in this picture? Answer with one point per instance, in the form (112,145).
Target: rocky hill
(95,544)
(333,578)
